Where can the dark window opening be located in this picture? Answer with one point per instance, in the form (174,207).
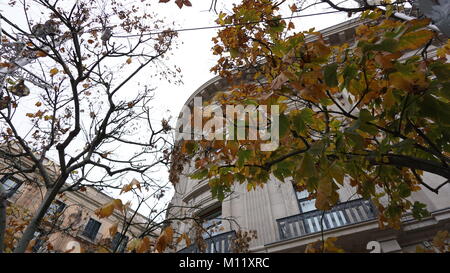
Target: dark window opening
(91,229)
(119,242)
(212,222)
(10,185)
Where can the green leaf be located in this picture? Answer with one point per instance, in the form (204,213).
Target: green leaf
(414,40)
(330,75)
(300,120)
(199,174)
(243,156)
(284,125)
(419,210)
(442,71)
(404,190)
(307,166)
(349,73)
(388,45)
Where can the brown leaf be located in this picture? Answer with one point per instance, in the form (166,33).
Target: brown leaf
(144,245)
(41,54)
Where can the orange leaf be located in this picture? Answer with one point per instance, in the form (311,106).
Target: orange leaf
(144,245)
(53,71)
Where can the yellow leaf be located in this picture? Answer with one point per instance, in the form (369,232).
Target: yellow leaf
(133,244)
(118,204)
(54,71)
(126,188)
(105,211)
(129,187)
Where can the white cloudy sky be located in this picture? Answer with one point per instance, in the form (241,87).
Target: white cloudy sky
(193,55)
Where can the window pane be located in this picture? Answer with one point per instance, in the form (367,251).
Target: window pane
(56,208)
(91,229)
(212,223)
(302,194)
(123,242)
(308,205)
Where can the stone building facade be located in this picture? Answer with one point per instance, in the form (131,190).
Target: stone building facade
(286,221)
(70,224)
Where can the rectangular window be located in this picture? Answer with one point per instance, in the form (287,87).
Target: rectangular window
(56,208)
(10,185)
(91,229)
(118,243)
(304,202)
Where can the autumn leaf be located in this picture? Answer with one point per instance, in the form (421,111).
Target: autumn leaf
(293,8)
(414,40)
(129,60)
(164,239)
(108,209)
(186,239)
(53,71)
(105,211)
(129,187)
(291,26)
(144,245)
(41,53)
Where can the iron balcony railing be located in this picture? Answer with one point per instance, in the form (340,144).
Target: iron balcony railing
(343,214)
(220,243)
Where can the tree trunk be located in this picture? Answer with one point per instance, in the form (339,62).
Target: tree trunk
(36,220)
(3,206)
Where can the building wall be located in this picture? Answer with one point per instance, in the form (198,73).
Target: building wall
(259,209)
(80,207)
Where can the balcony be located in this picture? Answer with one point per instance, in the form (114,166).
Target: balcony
(344,214)
(220,243)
